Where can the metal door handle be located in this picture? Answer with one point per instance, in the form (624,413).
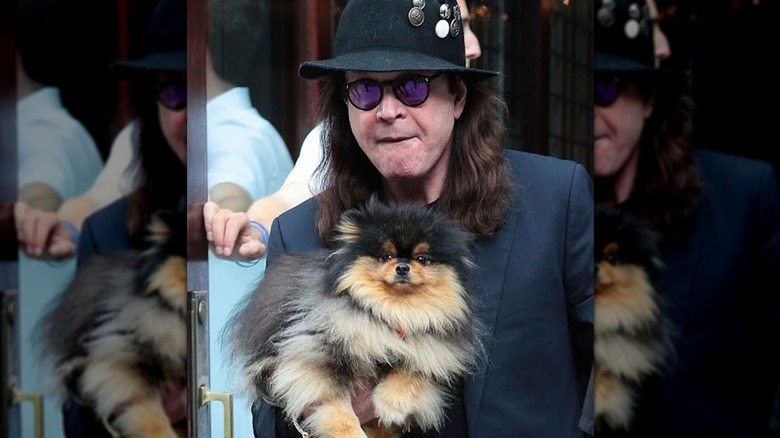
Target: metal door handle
(227,406)
(18,396)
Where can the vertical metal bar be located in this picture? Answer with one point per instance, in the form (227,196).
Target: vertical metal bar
(197,261)
(5,393)
(198,364)
(10,416)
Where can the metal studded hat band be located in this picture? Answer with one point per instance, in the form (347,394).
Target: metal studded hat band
(397,35)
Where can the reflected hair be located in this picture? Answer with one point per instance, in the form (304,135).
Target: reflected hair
(666,195)
(160,177)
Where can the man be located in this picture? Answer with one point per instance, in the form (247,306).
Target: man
(717,218)
(406,119)
(304,181)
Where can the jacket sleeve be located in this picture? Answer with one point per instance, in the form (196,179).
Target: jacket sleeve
(579,285)
(86,244)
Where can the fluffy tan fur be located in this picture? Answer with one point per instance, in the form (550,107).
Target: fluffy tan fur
(389,309)
(121,330)
(626,305)
(111,377)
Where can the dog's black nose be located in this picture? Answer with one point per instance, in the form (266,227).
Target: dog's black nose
(402,269)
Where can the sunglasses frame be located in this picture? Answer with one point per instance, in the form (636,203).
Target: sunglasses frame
(616,80)
(395,86)
(161,85)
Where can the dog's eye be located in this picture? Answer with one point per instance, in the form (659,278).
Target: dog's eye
(386,257)
(422,260)
(612,258)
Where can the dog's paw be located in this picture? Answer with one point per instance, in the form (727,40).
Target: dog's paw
(145,419)
(374,430)
(391,412)
(403,399)
(334,419)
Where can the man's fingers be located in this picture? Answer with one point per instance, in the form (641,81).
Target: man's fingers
(251,250)
(236,226)
(46,226)
(218,222)
(21,210)
(61,248)
(209,210)
(224,228)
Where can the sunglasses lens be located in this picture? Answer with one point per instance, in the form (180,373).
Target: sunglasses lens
(173,95)
(411,90)
(606,91)
(364,93)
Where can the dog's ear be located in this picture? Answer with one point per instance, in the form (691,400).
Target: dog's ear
(348,228)
(352,221)
(160,226)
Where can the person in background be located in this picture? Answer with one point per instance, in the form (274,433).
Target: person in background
(57,160)
(158,85)
(662,49)
(304,181)
(247,160)
(718,220)
(419,127)
(240,141)
(50,235)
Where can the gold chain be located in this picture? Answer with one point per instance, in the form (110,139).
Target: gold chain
(303,433)
(110,429)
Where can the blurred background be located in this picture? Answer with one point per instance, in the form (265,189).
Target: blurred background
(725,47)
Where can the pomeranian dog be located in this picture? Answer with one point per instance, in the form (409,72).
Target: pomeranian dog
(117,335)
(631,333)
(390,308)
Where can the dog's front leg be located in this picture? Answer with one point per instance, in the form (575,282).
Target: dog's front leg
(403,395)
(303,385)
(334,418)
(119,391)
(145,419)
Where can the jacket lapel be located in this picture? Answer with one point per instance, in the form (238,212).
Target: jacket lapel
(493,256)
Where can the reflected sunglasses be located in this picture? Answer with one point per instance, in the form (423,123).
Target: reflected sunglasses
(606,91)
(411,90)
(172,94)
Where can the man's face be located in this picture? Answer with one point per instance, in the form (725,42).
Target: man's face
(618,131)
(408,144)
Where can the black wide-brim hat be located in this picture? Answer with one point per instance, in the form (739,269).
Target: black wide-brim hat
(623,39)
(397,35)
(166,42)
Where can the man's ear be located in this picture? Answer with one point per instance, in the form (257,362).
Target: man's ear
(460,97)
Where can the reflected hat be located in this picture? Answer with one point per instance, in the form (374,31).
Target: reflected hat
(397,35)
(166,42)
(623,36)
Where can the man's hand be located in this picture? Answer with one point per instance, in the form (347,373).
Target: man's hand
(41,235)
(230,235)
(363,406)
(174,402)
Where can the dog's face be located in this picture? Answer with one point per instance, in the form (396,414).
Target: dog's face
(412,257)
(624,246)
(627,263)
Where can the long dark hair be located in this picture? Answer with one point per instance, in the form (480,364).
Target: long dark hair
(666,192)
(476,191)
(159,176)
